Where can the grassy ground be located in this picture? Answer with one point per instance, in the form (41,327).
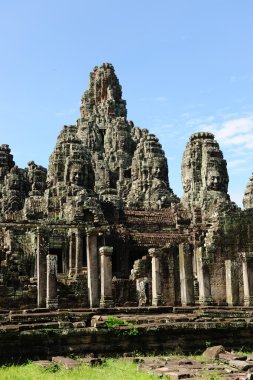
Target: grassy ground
(112,369)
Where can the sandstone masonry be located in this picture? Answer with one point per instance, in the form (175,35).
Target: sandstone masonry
(102,226)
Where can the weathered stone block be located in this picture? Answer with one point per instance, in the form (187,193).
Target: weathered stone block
(213,352)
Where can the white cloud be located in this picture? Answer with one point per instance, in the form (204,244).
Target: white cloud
(235,163)
(233,128)
(236,133)
(233,132)
(237,151)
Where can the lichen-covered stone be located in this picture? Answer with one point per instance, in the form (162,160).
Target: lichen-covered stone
(14,190)
(6,161)
(204,175)
(70,179)
(117,146)
(150,185)
(248,195)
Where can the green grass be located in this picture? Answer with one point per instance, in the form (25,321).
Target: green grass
(112,369)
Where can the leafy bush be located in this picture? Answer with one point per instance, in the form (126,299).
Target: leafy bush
(114,322)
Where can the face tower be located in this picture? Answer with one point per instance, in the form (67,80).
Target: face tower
(204,174)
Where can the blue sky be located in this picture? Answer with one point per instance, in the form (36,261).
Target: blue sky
(184,66)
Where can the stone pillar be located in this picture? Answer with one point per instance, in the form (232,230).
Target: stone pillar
(205,297)
(65,259)
(42,250)
(156,276)
(79,252)
(232,283)
(186,274)
(72,253)
(52,300)
(92,269)
(247,273)
(106,276)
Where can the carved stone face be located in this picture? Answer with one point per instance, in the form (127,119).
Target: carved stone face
(13,204)
(214,181)
(187,183)
(76,175)
(156,171)
(37,177)
(14,182)
(122,141)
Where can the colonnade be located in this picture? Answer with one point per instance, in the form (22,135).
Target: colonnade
(99,266)
(99,273)
(186,275)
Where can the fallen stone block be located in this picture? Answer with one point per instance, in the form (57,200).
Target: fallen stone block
(152,365)
(175,375)
(67,363)
(225,357)
(185,362)
(241,365)
(213,352)
(214,366)
(79,324)
(194,366)
(91,361)
(231,370)
(43,363)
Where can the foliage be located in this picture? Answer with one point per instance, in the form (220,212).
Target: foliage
(112,369)
(114,322)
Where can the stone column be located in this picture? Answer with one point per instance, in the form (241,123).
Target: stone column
(42,250)
(186,274)
(92,269)
(72,253)
(205,297)
(106,276)
(232,283)
(52,300)
(156,276)
(247,273)
(65,259)
(79,252)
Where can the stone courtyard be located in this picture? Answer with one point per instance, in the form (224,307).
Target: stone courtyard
(102,227)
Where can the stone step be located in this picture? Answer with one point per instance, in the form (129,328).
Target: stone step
(44,317)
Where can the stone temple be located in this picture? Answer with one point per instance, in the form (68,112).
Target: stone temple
(101,227)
